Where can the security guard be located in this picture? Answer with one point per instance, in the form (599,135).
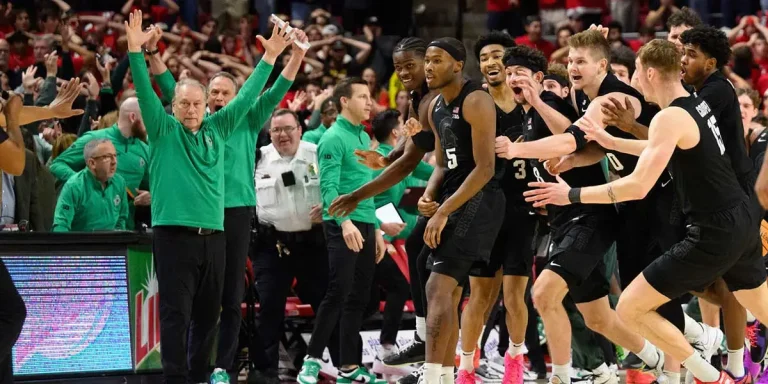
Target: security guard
(128,136)
(290,241)
(94,199)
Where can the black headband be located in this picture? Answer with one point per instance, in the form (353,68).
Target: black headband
(523,62)
(453,51)
(563,81)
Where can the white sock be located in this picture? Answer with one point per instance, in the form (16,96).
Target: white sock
(672,377)
(649,355)
(701,369)
(515,349)
(693,330)
(447,376)
(563,372)
(736,362)
(432,373)
(421,327)
(467,361)
(750,317)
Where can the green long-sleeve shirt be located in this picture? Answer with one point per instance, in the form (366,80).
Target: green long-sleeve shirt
(314,135)
(85,206)
(240,151)
(393,195)
(186,169)
(340,172)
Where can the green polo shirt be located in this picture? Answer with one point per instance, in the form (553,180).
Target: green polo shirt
(186,169)
(132,161)
(85,205)
(240,152)
(393,195)
(314,135)
(340,172)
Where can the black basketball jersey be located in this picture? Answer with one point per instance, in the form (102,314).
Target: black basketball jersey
(704,178)
(721,97)
(517,173)
(535,128)
(757,149)
(620,163)
(455,136)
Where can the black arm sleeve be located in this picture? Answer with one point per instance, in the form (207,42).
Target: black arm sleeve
(425,140)
(579,135)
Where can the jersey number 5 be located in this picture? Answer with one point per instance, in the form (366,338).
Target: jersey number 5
(453,162)
(520,164)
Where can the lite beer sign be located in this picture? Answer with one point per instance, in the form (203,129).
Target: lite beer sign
(147,320)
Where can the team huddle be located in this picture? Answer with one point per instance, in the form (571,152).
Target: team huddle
(678,201)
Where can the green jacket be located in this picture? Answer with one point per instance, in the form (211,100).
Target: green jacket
(314,135)
(340,172)
(85,206)
(132,161)
(186,169)
(393,195)
(240,152)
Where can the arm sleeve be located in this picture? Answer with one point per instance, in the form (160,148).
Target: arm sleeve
(107,101)
(65,210)
(151,108)
(578,135)
(423,171)
(267,102)
(329,154)
(227,119)
(47,92)
(167,85)
(425,140)
(314,119)
(71,161)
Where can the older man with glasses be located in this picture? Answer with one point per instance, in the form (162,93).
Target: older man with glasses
(289,232)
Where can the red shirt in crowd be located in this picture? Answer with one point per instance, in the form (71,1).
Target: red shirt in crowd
(158,13)
(498,5)
(542,45)
(551,4)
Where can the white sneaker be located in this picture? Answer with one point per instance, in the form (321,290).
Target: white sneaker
(707,345)
(604,375)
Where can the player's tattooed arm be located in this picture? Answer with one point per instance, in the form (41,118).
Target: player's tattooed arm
(611,195)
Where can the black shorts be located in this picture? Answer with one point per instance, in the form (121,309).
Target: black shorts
(577,252)
(456,268)
(722,244)
(471,230)
(513,247)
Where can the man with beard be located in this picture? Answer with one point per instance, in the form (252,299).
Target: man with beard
(239,191)
(408,59)
(129,138)
(463,197)
(512,255)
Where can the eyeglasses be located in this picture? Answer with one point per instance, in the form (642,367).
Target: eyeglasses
(287,129)
(110,156)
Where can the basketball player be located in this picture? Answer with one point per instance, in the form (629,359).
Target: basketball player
(581,234)
(512,254)
(463,193)
(721,239)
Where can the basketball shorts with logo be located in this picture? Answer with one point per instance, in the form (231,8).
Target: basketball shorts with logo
(469,234)
(577,251)
(723,244)
(513,249)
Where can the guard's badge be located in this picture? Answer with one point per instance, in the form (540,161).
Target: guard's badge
(312,170)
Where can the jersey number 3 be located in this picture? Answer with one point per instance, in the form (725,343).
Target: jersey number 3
(453,162)
(520,165)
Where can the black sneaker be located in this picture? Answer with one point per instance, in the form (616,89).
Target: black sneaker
(269,376)
(632,362)
(413,353)
(413,378)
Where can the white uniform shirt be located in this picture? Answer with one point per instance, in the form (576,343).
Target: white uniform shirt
(287,208)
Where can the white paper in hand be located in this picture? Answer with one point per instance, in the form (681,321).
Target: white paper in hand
(389,214)
(304,45)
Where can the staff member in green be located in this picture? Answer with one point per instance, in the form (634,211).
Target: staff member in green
(93,199)
(239,189)
(128,136)
(187,182)
(328,113)
(354,242)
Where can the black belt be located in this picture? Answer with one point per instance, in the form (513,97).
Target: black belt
(198,230)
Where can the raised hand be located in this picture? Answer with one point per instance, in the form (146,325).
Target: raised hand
(371,159)
(28,79)
(277,43)
(92,86)
(51,64)
(298,101)
(155,34)
(412,127)
(134,34)
(62,104)
(298,37)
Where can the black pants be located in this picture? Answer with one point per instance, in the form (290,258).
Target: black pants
(190,271)
(413,246)
(303,258)
(350,276)
(389,277)
(12,315)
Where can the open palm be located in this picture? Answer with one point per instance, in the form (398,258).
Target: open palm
(62,104)
(281,38)
(134,34)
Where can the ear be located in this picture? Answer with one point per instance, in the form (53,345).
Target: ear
(567,91)
(458,67)
(538,77)
(603,63)
(711,63)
